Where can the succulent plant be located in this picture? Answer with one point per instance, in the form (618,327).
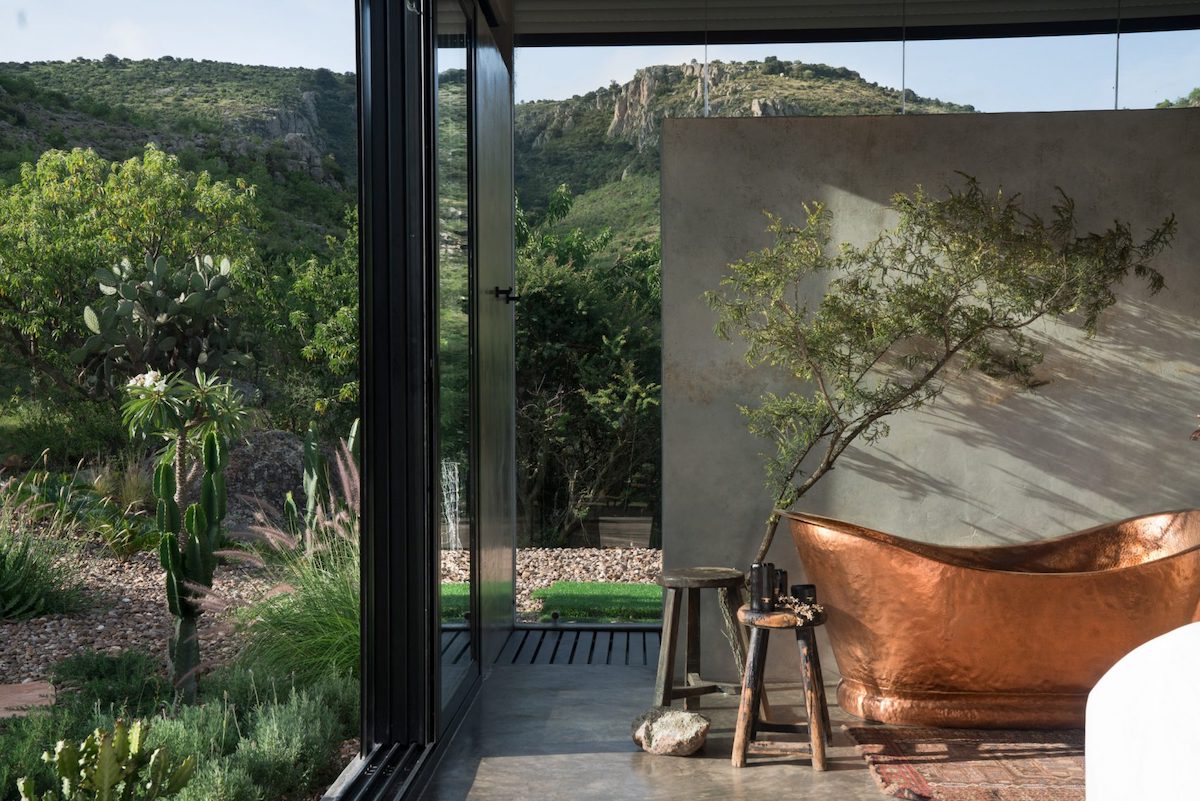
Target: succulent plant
(190,564)
(160,317)
(112,765)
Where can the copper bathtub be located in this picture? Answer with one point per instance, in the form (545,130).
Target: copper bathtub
(1001,637)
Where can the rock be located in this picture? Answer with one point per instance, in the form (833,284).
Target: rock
(262,469)
(670,732)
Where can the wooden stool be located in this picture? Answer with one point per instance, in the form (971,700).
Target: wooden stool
(728,582)
(748,722)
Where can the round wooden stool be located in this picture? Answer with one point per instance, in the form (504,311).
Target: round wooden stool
(728,583)
(749,723)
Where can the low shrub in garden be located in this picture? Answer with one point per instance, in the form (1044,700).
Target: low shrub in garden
(125,684)
(93,690)
(75,429)
(126,481)
(34,580)
(255,736)
(602,601)
(310,630)
(59,503)
(111,763)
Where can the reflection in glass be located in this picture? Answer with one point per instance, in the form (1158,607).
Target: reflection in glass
(454,346)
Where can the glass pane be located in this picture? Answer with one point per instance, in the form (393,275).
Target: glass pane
(1160,67)
(454,345)
(1045,73)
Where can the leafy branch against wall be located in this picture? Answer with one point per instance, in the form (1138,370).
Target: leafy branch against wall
(954,285)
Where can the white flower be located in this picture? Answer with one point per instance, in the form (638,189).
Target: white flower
(151,380)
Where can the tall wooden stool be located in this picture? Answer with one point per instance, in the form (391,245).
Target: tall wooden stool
(728,583)
(749,723)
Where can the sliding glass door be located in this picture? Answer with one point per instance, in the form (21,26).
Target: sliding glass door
(454,321)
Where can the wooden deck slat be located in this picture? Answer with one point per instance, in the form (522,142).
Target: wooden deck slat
(508,654)
(567,646)
(448,638)
(462,650)
(545,653)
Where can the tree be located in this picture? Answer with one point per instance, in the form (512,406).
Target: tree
(73,212)
(587,373)
(954,285)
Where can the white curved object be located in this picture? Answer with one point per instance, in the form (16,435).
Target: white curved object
(1142,737)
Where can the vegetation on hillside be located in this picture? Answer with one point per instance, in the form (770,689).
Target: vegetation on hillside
(290,132)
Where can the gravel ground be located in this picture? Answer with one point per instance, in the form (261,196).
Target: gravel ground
(541,567)
(125,607)
(125,604)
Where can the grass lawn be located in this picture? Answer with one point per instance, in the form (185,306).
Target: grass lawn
(601,602)
(456,601)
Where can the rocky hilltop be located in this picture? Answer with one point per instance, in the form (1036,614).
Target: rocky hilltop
(599,137)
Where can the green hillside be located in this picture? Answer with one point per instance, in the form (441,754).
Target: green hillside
(604,144)
(291,132)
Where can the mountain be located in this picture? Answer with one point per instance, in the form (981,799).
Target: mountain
(291,132)
(604,144)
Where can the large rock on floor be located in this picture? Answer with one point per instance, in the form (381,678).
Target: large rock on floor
(670,732)
(262,469)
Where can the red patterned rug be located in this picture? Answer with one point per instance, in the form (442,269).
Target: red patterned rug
(973,765)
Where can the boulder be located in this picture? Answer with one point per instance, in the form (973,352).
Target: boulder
(262,469)
(670,732)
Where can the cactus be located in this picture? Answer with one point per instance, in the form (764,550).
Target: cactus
(316,478)
(163,319)
(112,765)
(190,564)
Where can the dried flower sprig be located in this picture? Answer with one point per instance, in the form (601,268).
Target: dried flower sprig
(805,610)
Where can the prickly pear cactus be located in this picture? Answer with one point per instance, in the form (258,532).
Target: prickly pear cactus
(161,316)
(112,765)
(187,553)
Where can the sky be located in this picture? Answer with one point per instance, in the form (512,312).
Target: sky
(1032,74)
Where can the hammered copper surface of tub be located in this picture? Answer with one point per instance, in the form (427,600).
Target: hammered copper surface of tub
(1000,637)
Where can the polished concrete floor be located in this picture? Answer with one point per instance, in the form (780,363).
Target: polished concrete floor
(547,732)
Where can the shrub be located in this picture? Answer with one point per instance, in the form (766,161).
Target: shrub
(221,781)
(126,482)
(112,763)
(129,683)
(311,631)
(23,740)
(33,579)
(292,743)
(209,731)
(124,534)
(68,432)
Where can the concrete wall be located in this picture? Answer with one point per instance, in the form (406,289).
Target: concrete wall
(989,463)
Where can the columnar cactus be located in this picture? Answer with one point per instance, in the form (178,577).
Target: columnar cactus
(190,564)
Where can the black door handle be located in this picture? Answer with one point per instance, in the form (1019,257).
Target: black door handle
(509,294)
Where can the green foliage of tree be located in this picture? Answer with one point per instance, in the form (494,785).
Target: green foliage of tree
(955,285)
(587,375)
(73,212)
(303,313)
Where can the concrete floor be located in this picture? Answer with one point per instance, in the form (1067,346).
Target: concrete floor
(550,732)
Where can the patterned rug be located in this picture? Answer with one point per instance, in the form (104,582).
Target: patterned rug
(973,765)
